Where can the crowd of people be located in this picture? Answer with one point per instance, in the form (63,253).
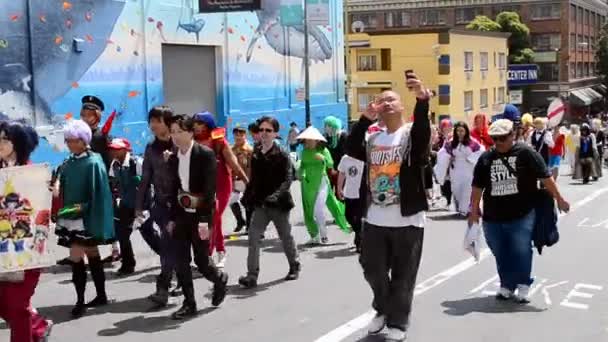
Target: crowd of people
(376,181)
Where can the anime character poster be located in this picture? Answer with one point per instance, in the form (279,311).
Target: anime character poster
(26,233)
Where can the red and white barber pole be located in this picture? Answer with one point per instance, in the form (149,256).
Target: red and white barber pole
(555,112)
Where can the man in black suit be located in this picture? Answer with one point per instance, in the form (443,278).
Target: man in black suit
(191,213)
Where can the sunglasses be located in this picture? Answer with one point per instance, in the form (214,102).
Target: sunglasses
(266,130)
(501,138)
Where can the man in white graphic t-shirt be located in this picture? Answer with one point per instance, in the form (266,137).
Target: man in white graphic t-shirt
(393,233)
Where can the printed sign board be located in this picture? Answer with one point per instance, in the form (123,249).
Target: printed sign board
(208,6)
(522,74)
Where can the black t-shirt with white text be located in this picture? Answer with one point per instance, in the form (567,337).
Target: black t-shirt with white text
(508,196)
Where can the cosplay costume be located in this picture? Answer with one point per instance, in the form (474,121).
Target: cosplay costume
(100,139)
(481,133)
(460,163)
(243,156)
(315,191)
(336,144)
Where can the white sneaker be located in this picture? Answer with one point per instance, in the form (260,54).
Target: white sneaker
(376,325)
(314,241)
(522,296)
(395,334)
(504,294)
(221,260)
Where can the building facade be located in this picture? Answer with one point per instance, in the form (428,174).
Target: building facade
(467,69)
(564,34)
(136,54)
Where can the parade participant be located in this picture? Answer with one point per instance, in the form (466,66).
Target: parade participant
(507,179)
(243,152)
(444,135)
(458,158)
(207,133)
(392,242)
(480,131)
(292,137)
(573,140)
(191,214)
(526,128)
(541,139)
(254,131)
(316,194)
(156,173)
(86,219)
(557,151)
(351,190)
(336,140)
(600,137)
(17,142)
(586,153)
(271,200)
(125,176)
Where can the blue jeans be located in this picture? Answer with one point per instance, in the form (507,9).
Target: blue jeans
(511,244)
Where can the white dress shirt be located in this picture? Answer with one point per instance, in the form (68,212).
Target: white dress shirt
(184,167)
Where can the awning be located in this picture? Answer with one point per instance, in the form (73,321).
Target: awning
(358,43)
(600,88)
(584,96)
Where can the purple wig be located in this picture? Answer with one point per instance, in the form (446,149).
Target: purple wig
(205,118)
(78,129)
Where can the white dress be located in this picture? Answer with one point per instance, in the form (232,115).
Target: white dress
(460,162)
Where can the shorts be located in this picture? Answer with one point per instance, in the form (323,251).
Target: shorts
(555,161)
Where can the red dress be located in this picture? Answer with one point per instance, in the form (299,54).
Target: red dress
(217,142)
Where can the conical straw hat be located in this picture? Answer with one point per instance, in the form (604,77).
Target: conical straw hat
(311,133)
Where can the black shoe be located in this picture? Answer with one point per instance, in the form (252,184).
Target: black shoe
(111,259)
(125,270)
(176,291)
(65,262)
(187,310)
(219,290)
(294,271)
(160,298)
(78,310)
(248,281)
(98,301)
(238,228)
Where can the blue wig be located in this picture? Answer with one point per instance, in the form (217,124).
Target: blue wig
(23,137)
(205,118)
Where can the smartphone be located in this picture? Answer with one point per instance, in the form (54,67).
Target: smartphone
(408,75)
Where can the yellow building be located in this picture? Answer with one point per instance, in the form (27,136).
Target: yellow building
(467,69)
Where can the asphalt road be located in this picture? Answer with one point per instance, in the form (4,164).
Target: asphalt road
(331,301)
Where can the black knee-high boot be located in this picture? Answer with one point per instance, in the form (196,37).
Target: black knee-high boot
(238,215)
(99,279)
(79,278)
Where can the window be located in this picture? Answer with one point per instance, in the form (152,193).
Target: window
(465,15)
(444,65)
(546,11)
(579,70)
(572,70)
(367,63)
(432,17)
(468,61)
(548,72)
(500,96)
(385,55)
(468,101)
(587,17)
(579,16)
(572,41)
(397,19)
(370,20)
(444,94)
(502,61)
(579,42)
(572,15)
(483,98)
(546,42)
(587,70)
(364,100)
(483,61)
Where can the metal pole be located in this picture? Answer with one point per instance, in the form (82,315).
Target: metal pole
(347,65)
(306,66)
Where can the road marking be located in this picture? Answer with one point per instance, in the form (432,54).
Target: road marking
(546,293)
(358,323)
(484,284)
(576,293)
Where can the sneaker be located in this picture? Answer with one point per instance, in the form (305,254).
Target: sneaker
(395,334)
(376,325)
(314,241)
(324,240)
(248,281)
(522,296)
(221,259)
(504,294)
(219,290)
(47,332)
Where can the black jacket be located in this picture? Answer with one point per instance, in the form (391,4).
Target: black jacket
(203,166)
(99,143)
(156,173)
(411,175)
(270,181)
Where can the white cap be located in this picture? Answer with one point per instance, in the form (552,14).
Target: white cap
(311,133)
(501,127)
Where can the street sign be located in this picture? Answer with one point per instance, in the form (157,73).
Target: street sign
(516,96)
(291,12)
(522,74)
(318,12)
(555,112)
(208,6)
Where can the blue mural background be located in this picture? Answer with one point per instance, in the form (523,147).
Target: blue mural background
(43,76)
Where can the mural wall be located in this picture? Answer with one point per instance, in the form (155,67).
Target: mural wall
(54,52)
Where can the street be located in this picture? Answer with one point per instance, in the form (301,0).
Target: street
(331,300)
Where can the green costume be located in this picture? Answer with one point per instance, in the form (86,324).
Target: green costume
(311,172)
(84,182)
